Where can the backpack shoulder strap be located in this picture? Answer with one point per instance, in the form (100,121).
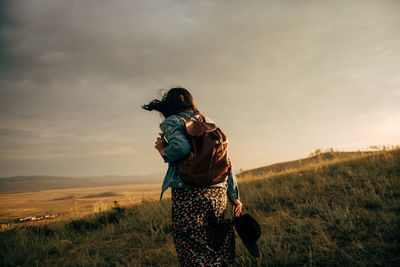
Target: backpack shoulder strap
(184,117)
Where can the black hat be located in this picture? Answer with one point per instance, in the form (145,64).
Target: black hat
(249,231)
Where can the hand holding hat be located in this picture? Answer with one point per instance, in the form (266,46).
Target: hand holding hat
(237,207)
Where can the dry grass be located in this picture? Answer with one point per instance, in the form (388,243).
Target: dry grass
(338,213)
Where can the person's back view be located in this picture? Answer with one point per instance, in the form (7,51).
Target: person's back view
(201,234)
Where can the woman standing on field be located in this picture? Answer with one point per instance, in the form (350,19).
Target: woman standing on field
(202,236)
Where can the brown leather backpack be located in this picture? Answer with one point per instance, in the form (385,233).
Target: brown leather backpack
(207,162)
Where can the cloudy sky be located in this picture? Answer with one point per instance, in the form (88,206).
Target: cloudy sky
(281,78)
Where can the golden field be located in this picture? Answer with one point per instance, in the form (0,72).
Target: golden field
(73,202)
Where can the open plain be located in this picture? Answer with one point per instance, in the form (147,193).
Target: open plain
(72,202)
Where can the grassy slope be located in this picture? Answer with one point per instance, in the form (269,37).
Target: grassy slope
(315,158)
(334,213)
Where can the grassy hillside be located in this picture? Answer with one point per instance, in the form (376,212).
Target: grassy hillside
(338,213)
(317,157)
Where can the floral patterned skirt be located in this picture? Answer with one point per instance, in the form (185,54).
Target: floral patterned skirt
(202,236)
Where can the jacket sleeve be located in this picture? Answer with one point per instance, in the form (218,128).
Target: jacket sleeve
(178,144)
(233,189)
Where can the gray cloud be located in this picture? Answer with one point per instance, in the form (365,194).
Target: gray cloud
(77,72)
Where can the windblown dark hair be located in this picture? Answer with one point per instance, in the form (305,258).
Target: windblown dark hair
(171,102)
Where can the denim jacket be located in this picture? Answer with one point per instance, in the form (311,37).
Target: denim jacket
(174,130)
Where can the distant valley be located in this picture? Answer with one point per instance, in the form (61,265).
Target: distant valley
(20,184)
